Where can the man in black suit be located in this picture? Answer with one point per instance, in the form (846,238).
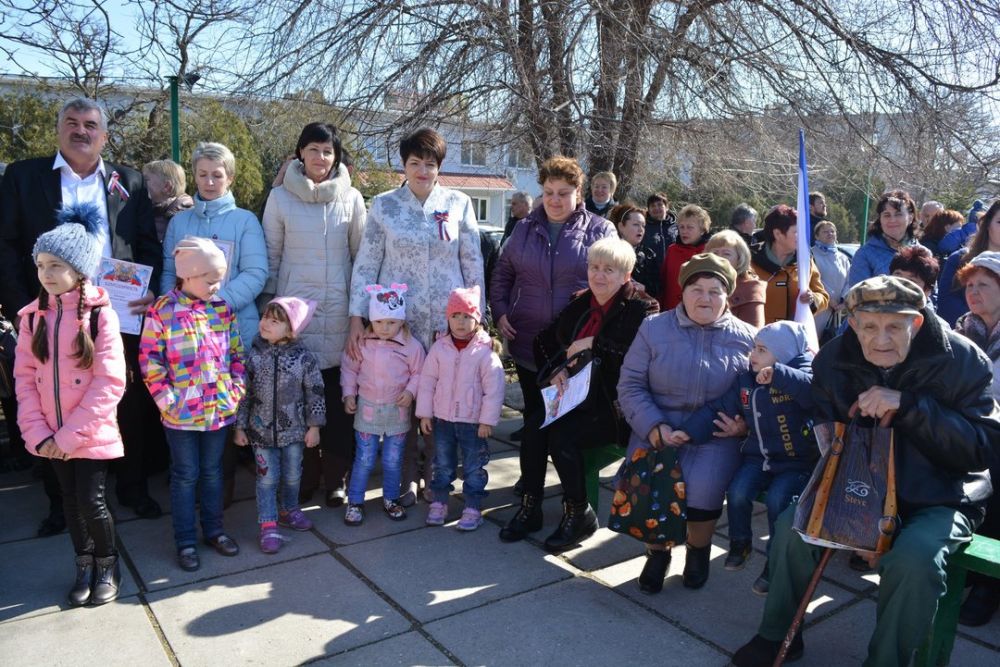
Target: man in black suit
(31,193)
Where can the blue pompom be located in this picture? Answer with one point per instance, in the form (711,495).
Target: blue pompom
(84,213)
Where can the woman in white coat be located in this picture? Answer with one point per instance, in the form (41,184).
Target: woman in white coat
(313,225)
(426,236)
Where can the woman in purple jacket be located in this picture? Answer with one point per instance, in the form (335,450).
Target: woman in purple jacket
(541,266)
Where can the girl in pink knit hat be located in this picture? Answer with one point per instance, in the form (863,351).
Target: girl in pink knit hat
(459,401)
(281,414)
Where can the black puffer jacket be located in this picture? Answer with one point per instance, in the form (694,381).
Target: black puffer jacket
(630,307)
(947,426)
(285,395)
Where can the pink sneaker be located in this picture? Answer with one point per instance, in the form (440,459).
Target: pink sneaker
(436,514)
(295,519)
(471,519)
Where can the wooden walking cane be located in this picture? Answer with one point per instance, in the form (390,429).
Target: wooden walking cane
(822,497)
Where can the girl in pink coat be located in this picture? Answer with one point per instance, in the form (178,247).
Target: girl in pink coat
(69,374)
(459,400)
(379,391)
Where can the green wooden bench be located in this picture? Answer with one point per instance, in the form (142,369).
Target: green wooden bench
(593,461)
(981,555)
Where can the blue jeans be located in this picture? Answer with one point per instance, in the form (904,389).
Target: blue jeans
(195,459)
(277,465)
(448,438)
(364,460)
(750,479)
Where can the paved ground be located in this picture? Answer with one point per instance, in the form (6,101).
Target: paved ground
(402,594)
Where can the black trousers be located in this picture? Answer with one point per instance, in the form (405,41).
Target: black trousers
(82,482)
(335,454)
(534,451)
(568,437)
(142,432)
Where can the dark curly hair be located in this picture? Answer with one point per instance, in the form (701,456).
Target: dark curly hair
(919,261)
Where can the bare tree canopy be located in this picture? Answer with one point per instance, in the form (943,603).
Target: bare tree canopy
(634,86)
(593,77)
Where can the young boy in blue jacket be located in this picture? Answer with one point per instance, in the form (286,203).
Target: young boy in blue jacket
(780,451)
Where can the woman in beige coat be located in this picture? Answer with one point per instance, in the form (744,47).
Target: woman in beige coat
(313,224)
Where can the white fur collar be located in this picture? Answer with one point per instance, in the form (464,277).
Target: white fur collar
(316,193)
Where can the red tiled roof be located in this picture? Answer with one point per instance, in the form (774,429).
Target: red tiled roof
(471,181)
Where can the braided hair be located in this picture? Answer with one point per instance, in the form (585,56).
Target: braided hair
(83,347)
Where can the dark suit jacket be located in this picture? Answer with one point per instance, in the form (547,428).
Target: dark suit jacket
(30,196)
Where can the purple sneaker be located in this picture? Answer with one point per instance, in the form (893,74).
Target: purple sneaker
(471,519)
(270,540)
(295,519)
(436,514)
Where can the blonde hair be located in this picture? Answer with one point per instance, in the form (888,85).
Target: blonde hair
(208,150)
(615,251)
(609,177)
(821,224)
(728,238)
(170,172)
(698,213)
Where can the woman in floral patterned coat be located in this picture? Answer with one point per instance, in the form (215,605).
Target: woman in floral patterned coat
(423,235)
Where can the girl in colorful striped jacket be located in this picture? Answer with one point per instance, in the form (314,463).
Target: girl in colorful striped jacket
(192,362)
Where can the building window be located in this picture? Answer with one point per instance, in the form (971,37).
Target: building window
(481,207)
(473,154)
(375,147)
(520,158)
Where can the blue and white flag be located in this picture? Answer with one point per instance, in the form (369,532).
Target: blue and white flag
(803,258)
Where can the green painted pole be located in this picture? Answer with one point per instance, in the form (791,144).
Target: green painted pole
(864,220)
(175,130)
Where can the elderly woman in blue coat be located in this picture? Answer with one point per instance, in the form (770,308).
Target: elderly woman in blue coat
(235,230)
(680,360)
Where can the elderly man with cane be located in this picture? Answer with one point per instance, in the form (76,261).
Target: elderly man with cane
(896,357)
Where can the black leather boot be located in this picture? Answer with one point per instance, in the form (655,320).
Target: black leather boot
(107,580)
(578,523)
(527,520)
(696,566)
(654,571)
(79,595)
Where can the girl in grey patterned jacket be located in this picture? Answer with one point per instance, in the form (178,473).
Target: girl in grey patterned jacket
(282,413)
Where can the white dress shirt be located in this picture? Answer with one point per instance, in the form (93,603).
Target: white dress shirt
(90,189)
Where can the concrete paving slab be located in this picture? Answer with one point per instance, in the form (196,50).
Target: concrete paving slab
(849,631)
(699,610)
(80,637)
(22,506)
(36,575)
(279,615)
(574,622)
(150,544)
(330,522)
(400,651)
(837,571)
(439,571)
(505,469)
(987,634)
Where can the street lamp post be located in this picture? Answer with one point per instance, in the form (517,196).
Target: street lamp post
(175,131)
(189,80)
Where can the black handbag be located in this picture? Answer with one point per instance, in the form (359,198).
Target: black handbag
(8,342)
